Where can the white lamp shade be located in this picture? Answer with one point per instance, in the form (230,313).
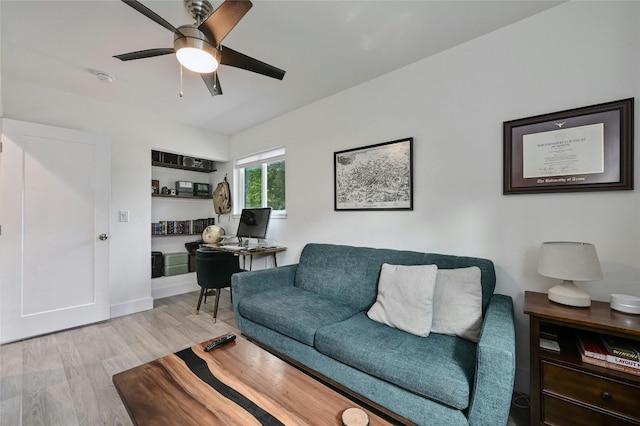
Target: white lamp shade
(193,50)
(569,261)
(197,60)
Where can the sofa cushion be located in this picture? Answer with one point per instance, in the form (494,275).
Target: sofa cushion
(350,274)
(457,303)
(405,298)
(294,312)
(347,273)
(446,363)
(487,270)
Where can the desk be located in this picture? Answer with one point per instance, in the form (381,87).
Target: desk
(251,252)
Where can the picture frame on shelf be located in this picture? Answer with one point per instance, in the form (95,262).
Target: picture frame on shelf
(374,177)
(580,149)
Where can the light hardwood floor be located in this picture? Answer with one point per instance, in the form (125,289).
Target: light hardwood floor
(65,378)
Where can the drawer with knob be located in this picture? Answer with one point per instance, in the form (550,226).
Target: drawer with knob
(587,389)
(560,412)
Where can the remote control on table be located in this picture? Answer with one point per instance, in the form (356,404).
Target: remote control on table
(219,341)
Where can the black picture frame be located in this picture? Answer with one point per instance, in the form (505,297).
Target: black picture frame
(374,177)
(580,149)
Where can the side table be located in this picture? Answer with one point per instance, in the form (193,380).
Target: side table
(566,391)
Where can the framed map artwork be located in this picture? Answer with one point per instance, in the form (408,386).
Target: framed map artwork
(375,177)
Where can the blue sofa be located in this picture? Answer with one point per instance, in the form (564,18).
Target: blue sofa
(315,312)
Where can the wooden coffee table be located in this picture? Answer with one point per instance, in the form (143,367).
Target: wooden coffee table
(236,384)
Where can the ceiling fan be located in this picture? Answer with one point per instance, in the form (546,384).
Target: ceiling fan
(198,46)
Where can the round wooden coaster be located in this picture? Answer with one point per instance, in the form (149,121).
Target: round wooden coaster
(355,417)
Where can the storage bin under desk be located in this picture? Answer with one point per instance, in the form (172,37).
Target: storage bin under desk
(176,264)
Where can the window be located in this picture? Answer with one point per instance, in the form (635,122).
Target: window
(260,181)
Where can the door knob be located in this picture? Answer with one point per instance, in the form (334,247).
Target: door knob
(103,237)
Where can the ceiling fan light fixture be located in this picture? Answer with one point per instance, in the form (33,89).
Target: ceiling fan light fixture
(194,52)
(198,46)
(197,60)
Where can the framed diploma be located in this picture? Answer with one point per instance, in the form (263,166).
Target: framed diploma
(375,177)
(582,149)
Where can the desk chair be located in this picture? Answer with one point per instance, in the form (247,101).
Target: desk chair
(213,270)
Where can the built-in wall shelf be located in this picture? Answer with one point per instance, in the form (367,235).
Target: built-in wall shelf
(182,162)
(179,228)
(181,167)
(177,235)
(176,215)
(190,197)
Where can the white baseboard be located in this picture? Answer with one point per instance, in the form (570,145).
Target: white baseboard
(174,289)
(169,289)
(131,307)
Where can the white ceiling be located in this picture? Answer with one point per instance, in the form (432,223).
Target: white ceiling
(324,46)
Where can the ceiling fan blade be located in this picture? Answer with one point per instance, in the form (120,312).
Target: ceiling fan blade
(141,54)
(236,59)
(212,83)
(223,19)
(150,14)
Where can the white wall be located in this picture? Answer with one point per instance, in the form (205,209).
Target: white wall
(133,135)
(454,104)
(1,107)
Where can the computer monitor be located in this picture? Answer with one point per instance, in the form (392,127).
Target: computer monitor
(254,223)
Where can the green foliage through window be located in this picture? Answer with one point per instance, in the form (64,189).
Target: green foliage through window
(274,187)
(253,187)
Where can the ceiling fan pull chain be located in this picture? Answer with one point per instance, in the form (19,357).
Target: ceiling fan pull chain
(181,94)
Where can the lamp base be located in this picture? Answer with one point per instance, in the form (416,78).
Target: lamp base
(567,293)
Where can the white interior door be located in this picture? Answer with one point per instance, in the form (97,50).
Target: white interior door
(54,206)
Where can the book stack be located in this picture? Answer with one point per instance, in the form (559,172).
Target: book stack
(549,338)
(181,227)
(611,352)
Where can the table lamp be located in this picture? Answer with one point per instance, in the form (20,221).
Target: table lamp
(569,261)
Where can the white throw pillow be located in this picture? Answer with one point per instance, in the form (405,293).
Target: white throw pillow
(457,303)
(405,297)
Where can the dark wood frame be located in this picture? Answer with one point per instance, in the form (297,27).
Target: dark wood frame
(617,119)
(403,175)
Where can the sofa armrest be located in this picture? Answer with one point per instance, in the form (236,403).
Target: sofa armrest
(495,365)
(251,282)
(245,284)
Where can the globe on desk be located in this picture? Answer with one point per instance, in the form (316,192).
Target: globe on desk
(212,234)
